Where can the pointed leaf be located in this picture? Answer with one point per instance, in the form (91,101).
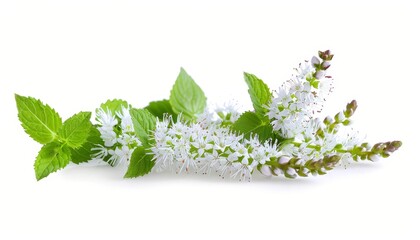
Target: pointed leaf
(52,157)
(141,163)
(160,108)
(259,92)
(84,153)
(249,124)
(115,105)
(76,129)
(39,120)
(187,97)
(144,122)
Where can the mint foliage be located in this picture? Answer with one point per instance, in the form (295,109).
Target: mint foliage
(141,163)
(259,92)
(249,124)
(187,97)
(161,108)
(115,105)
(75,130)
(52,157)
(144,123)
(84,152)
(40,121)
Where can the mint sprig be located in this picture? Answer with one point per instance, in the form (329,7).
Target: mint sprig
(45,126)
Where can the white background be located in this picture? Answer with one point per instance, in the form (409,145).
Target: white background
(76,54)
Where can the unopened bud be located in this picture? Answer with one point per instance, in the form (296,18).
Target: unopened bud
(291,173)
(326,56)
(278,172)
(374,157)
(392,146)
(284,160)
(328,120)
(315,61)
(339,117)
(325,65)
(389,148)
(351,108)
(266,171)
(378,147)
(396,144)
(320,74)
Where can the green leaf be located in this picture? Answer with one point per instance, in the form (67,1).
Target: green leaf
(115,105)
(52,157)
(141,163)
(259,92)
(144,122)
(40,121)
(249,124)
(75,130)
(187,97)
(84,153)
(160,108)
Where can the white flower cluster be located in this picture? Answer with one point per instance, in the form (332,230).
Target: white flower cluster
(298,99)
(205,146)
(118,134)
(292,113)
(308,144)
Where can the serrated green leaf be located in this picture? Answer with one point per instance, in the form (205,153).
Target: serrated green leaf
(115,105)
(144,122)
(161,108)
(39,120)
(84,153)
(249,124)
(52,157)
(187,97)
(259,92)
(75,130)
(141,163)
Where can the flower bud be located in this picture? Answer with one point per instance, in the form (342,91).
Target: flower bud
(339,117)
(315,61)
(374,157)
(320,74)
(326,56)
(351,108)
(284,160)
(266,171)
(378,147)
(325,65)
(291,173)
(396,144)
(389,148)
(328,120)
(278,171)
